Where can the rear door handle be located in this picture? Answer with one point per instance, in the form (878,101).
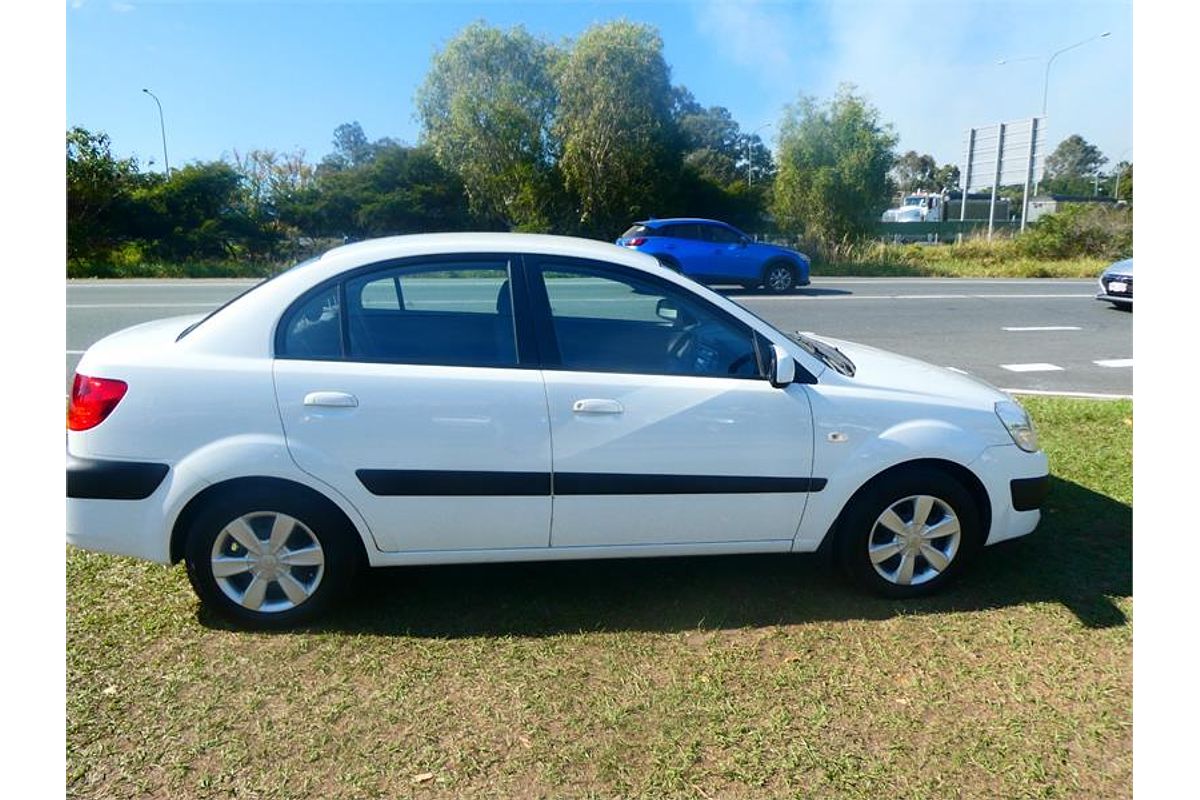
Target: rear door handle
(331,399)
(597,406)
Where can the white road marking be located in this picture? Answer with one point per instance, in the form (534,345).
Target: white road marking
(76,352)
(1046,328)
(1114,362)
(143,305)
(959,371)
(1089,395)
(1037,367)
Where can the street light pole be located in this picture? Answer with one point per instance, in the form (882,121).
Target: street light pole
(163,127)
(750,155)
(1056,54)
(1046,81)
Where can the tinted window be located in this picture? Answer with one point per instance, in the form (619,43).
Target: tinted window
(721,234)
(639,230)
(314,329)
(456,314)
(616,323)
(681,231)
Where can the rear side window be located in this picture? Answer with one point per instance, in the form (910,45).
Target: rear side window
(639,230)
(314,329)
(682,231)
(453,314)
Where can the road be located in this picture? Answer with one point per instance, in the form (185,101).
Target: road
(1040,335)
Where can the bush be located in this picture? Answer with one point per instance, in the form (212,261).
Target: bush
(1082,229)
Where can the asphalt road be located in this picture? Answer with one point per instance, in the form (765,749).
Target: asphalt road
(1039,335)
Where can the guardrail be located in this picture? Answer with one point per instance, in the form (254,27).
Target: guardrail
(941,231)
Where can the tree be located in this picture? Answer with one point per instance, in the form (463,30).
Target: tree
(619,144)
(946,177)
(833,167)
(350,147)
(99,193)
(914,171)
(1073,167)
(486,108)
(399,190)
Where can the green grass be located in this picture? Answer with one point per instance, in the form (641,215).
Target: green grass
(699,678)
(976,258)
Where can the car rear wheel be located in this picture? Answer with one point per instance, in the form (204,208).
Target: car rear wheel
(779,278)
(268,559)
(669,263)
(909,534)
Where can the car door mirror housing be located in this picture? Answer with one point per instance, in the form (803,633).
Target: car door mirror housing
(667,310)
(782,367)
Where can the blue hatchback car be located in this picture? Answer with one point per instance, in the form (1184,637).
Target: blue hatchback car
(712,252)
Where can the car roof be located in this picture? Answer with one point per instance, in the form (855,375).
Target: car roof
(654,223)
(391,247)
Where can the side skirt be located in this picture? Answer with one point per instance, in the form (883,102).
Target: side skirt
(411,558)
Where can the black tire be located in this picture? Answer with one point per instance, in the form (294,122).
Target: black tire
(779,277)
(669,263)
(260,506)
(860,530)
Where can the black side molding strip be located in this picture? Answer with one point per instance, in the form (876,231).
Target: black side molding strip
(575,483)
(454,483)
(441,483)
(1029,493)
(102,479)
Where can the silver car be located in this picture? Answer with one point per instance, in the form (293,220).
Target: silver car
(1116,285)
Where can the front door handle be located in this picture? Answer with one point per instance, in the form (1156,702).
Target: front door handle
(331,399)
(597,406)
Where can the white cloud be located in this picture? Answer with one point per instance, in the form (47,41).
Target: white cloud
(749,34)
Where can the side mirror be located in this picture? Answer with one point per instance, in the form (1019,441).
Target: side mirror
(782,367)
(745,240)
(666,310)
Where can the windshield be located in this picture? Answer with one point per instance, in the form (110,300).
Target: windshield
(830,355)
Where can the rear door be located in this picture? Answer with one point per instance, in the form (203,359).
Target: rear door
(664,428)
(408,388)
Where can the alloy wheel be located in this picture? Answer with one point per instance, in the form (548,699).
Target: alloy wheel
(267,562)
(914,540)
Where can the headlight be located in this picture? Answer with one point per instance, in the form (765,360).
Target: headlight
(1019,425)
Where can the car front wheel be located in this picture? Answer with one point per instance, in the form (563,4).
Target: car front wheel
(779,278)
(266,559)
(909,534)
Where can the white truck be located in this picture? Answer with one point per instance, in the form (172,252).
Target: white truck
(944,207)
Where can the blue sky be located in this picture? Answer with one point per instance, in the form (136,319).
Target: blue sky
(283,75)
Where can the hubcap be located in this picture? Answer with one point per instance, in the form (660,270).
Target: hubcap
(267,562)
(914,540)
(779,279)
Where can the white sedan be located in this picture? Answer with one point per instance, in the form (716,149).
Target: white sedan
(452,398)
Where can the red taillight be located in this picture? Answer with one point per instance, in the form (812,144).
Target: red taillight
(92,400)
(635,242)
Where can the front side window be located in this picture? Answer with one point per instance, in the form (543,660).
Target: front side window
(454,314)
(608,322)
(721,234)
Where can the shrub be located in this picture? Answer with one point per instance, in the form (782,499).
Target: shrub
(1082,229)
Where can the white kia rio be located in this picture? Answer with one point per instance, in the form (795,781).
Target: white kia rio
(504,397)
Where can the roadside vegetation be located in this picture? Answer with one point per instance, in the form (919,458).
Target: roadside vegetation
(579,137)
(720,677)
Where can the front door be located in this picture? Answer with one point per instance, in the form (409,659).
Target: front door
(408,390)
(664,428)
